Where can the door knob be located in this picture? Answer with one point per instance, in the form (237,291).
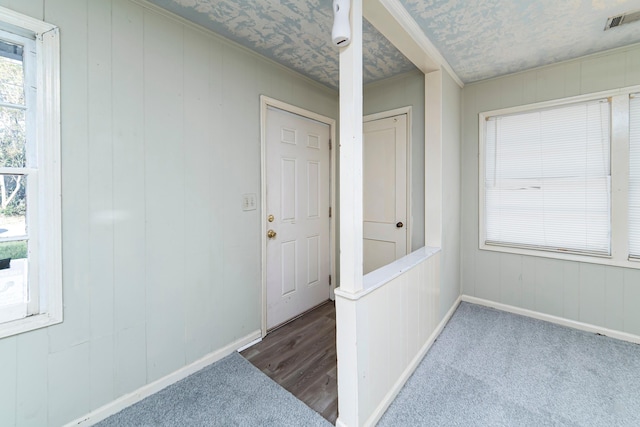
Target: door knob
(271,234)
(400,225)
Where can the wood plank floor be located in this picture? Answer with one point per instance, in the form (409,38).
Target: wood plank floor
(301,357)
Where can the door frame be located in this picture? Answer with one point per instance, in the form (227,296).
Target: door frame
(385,115)
(265,103)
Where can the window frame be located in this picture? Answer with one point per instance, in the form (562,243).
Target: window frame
(44,221)
(619,158)
(636,95)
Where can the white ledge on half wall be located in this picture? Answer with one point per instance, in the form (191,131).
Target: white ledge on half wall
(378,278)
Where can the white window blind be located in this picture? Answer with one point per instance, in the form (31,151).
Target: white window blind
(634,176)
(547,179)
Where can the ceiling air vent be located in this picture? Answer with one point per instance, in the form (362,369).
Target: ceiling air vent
(625,18)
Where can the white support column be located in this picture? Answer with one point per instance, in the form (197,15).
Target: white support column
(351,156)
(350,223)
(349,365)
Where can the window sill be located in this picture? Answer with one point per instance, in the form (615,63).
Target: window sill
(615,261)
(28,324)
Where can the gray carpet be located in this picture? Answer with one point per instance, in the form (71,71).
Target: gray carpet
(231,392)
(491,368)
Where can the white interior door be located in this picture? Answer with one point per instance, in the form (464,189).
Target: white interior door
(298,224)
(384,191)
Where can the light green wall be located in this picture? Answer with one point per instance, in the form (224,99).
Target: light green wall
(450,288)
(409,90)
(397,92)
(160,140)
(596,294)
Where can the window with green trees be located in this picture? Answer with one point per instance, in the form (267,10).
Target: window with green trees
(30,231)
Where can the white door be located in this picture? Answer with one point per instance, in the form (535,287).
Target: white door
(297,203)
(384,191)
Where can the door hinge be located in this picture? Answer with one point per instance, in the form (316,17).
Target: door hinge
(329,211)
(330,145)
(329,280)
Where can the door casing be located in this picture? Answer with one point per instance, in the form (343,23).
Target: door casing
(266,102)
(385,115)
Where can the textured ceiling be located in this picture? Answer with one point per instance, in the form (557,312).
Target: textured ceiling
(484,39)
(479,39)
(295,33)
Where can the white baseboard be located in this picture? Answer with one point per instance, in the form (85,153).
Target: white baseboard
(391,395)
(129,399)
(251,344)
(624,336)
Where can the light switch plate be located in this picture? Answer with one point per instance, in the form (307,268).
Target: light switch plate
(249,202)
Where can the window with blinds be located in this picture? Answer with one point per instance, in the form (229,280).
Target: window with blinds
(547,179)
(634,176)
